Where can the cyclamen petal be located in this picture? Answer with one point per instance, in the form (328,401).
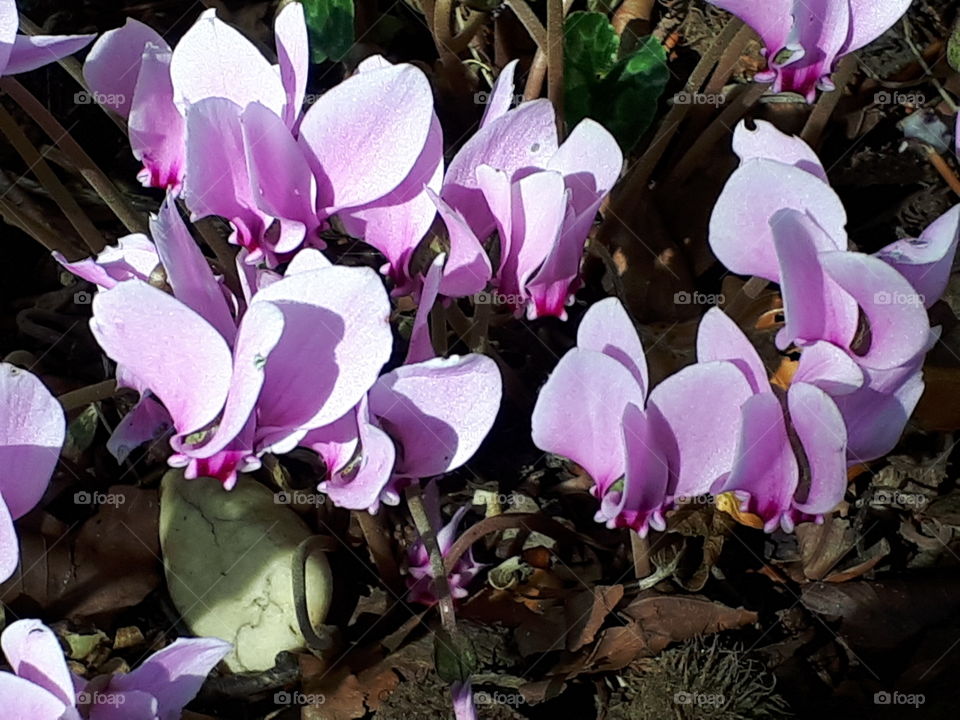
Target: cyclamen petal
(585,396)
(157,129)
(30,52)
(168,347)
(134,256)
(437,412)
(113,64)
(765,141)
(467,270)
(927,261)
(720,338)
(34,654)
(501,96)
(293,55)
(359,156)
(214,60)
(826,366)
(606,328)
(823,436)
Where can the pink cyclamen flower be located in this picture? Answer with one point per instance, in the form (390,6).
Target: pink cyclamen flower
(21,53)
(32,430)
(236,387)
(778,218)
(644,448)
(41,686)
(541,198)
(420,572)
(804,39)
(774,481)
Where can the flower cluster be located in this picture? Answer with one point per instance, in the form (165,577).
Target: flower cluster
(41,686)
(719,426)
(804,40)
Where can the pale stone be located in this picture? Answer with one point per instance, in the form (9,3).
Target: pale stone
(228,559)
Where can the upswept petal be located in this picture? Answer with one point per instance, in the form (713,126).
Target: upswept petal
(826,366)
(22,700)
(606,328)
(293,55)
(467,270)
(30,52)
(32,430)
(765,141)
(823,436)
(157,129)
(927,261)
(741,232)
(134,256)
(700,406)
(215,60)
(500,97)
(720,338)
(585,396)
(359,156)
(437,412)
(34,654)
(171,349)
(113,63)
(335,341)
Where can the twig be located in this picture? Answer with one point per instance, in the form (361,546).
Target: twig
(943,168)
(81,160)
(827,103)
(18,217)
(428,535)
(640,547)
(555,60)
(538,68)
(475,21)
(378,541)
(530,22)
(35,163)
(90,394)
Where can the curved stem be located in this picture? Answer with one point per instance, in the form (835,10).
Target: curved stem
(36,164)
(83,162)
(530,22)
(90,394)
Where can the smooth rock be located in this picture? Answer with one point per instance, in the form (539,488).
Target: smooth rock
(228,561)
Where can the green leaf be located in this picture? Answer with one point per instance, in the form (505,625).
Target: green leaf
(620,95)
(330,28)
(80,433)
(590,43)
(953,47)
(454,657)
(635,85)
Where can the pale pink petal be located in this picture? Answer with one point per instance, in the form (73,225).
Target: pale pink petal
(467,270)
(359,155)
(148,420)
(134,256)
(700,406)
(823,436)
(720,338)
(293,54)
(157,129)
(34,51)
(607,328)
(173,351)
(765,141)
(22,700)
(32,430)
(34,654)
(829,368)
(113,63)
(214,60)
(437,412)
(741,233)
(174,675)
(500,98)
(584,398)
(869,20)
(421,346)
